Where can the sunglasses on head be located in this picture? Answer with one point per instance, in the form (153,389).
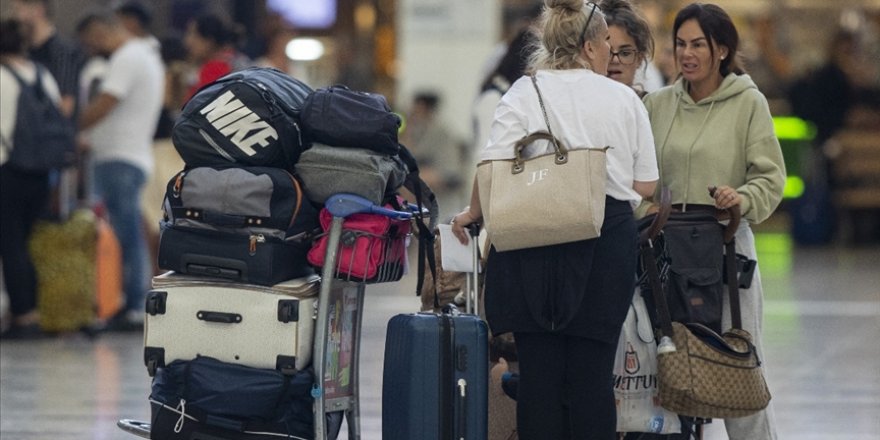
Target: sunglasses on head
(589,18)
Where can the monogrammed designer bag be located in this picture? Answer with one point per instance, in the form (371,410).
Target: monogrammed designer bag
(549,199)
(544,200)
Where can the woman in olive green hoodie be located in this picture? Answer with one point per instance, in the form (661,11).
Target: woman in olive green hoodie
(713,128)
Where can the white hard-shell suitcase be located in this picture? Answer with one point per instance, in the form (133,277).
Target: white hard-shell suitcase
(257,326)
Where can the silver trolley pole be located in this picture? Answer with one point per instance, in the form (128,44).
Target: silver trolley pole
(343,298)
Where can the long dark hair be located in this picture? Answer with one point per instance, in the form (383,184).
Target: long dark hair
(513,64)
(718,28)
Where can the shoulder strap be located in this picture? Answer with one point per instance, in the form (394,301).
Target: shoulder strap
(425,199)
(544,111)
(37,86)
(14,74)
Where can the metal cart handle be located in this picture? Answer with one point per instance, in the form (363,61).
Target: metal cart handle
(344,205)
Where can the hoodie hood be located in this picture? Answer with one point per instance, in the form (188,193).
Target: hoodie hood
(731,86)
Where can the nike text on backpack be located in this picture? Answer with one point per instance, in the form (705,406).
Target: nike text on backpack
(247,118)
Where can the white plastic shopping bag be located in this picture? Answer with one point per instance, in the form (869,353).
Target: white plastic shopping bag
(635,376)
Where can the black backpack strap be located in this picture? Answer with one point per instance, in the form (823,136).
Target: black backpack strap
(647,250)
(37,87)
(425,198)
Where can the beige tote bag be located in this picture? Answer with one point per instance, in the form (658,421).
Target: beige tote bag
(545,200)
(550,199)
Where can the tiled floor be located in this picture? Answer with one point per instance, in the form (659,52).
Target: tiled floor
(822,341)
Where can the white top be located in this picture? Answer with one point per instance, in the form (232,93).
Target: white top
(9,91)
(483,114)
(136,77)
(586,110)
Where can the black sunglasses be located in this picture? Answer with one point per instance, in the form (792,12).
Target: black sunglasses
(587,25)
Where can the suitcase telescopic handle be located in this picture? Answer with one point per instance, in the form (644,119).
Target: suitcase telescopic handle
(221,317)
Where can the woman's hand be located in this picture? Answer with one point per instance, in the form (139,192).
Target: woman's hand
(725,196)
(459,222)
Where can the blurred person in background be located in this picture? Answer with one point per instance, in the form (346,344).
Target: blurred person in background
(211,42)
(436,149)
(137,18)
(713,128)
(769,64)
(566,303)
(46,46)
(632,45)
(275,55)
(825,95)
(23,194)
(121,121)
(509,69)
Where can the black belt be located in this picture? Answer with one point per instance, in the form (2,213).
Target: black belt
(720,214)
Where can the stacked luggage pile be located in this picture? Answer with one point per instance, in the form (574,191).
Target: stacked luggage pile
(231,330)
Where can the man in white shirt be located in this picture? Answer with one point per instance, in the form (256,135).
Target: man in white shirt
(121,121)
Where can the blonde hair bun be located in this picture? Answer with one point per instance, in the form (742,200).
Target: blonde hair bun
(571,5)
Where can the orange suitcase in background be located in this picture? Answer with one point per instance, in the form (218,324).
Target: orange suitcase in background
(108,271)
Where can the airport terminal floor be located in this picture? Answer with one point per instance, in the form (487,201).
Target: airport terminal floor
(822,327)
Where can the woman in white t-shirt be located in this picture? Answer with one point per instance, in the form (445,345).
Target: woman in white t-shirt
(566,303)
(23,194)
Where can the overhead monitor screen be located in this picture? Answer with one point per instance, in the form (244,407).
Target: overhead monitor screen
(306,14)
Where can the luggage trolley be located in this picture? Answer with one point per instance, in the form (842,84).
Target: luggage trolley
(340,312)
(336,345)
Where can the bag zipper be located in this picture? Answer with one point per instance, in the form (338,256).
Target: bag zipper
(462,409)
(264,93)
(178,185)
(299,197)
(214,145)
(254,239)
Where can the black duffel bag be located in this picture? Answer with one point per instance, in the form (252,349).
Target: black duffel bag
(248,117)
(248,224)
(343,117)
(207,398)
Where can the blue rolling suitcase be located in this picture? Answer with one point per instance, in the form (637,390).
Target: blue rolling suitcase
(435,377)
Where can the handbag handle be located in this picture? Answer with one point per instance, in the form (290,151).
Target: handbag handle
(518,162)
(660,218)
(561,152)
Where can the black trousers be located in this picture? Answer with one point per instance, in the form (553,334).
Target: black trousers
(566,388)
(23,197)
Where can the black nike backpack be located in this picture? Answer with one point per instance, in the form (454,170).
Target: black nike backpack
(247,118)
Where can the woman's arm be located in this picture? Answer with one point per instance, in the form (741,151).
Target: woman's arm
(645,189)
(471,214)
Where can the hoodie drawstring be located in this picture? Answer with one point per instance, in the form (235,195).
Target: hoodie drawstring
(690,149)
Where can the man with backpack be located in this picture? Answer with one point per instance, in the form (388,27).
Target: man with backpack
(121,121)
(48,47)
(30,120)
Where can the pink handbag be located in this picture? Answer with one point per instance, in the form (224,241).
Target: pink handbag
(372,247)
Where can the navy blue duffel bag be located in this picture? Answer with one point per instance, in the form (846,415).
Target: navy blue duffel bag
(207,398)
